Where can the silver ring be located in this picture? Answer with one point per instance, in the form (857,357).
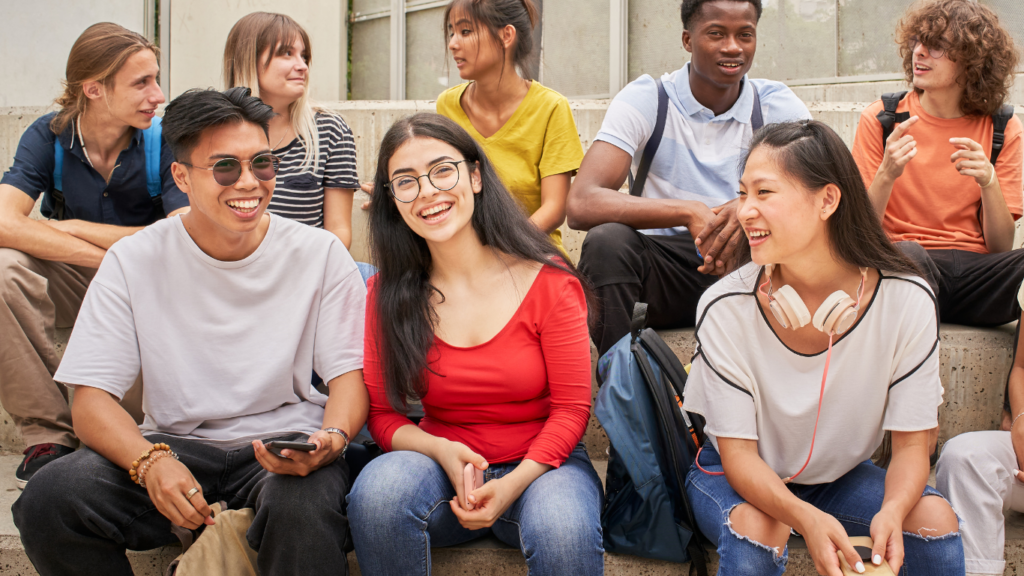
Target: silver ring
(191,493)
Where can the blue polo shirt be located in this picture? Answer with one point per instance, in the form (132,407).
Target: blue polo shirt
(700,154)
(124,201)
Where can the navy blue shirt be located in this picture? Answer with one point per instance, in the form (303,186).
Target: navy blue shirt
(124,201)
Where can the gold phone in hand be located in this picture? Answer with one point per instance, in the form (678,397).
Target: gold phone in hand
(863,546)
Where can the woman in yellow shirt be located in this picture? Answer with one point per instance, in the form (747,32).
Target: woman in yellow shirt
(526,129)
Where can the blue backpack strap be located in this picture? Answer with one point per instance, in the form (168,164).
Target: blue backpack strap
(151,141)
(58,164)
(57,193)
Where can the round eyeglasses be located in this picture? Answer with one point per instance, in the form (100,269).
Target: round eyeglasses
(443,176)
(227,171)
(935,53)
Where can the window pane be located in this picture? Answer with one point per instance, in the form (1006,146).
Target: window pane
(565,67)
(371,59)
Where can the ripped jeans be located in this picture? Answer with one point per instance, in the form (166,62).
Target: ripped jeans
(853,499)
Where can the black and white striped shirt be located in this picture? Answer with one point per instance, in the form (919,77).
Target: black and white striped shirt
(299,194)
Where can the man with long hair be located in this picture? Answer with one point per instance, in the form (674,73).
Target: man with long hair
(933,181)
(103,175)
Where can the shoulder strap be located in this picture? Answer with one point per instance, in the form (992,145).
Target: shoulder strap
(636,325)
(151,141)
(756,119)
(888,117)
(57,193)
(999,121)
(636,188)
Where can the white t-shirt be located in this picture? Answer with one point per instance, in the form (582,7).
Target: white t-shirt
(884,375)
(700,153)
(226,349)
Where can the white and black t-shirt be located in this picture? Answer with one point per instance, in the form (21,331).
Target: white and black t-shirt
(884,375)
(299,193)
(226,348)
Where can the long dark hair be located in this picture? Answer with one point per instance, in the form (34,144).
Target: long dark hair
(494,15)
(405,318)
(816,156)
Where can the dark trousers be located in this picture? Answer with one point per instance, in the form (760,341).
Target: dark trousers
(626,266)
(972,289)
(80,513)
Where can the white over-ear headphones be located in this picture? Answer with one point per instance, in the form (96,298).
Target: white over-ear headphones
(835,315)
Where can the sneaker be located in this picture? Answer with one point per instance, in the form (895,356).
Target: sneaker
(35,458)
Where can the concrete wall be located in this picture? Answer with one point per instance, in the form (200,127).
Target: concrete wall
(199,28)
(36,38)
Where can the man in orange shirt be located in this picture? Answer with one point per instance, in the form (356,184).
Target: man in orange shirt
(932,180)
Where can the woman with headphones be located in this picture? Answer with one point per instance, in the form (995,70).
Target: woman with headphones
(805,357)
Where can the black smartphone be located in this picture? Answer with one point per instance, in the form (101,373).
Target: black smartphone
(275,447)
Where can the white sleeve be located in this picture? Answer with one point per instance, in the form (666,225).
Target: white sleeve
(339,329)
(720,386)
(631,116)
(104,348)
(915,391)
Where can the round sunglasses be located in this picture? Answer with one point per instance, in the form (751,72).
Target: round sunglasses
(227,171)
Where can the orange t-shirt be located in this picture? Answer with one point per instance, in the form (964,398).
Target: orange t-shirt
(931,203)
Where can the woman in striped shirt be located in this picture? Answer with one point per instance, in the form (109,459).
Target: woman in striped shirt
(270,54)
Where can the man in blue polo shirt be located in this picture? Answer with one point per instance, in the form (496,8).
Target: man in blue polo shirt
(666,246)
(98,195)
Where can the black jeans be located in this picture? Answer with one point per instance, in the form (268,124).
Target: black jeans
(626,266)
(80,513)
(972,289)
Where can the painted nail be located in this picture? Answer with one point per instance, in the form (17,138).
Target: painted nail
(860,567)
(877,560)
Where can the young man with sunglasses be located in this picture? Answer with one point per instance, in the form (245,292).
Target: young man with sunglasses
(932,180)
(105,187)
(226,310)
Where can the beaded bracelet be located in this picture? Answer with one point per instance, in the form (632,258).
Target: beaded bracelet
(159,447)
(1015,420)
(145,466)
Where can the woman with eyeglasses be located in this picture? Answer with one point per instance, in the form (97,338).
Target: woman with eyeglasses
(476,314)
(271,55)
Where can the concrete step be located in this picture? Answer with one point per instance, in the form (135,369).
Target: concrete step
(485,557)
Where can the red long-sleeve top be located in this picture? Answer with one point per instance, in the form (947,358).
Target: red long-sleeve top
(523,394)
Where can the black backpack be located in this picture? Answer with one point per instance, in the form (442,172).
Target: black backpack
(889,117)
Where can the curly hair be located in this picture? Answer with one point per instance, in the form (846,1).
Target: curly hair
(982,48)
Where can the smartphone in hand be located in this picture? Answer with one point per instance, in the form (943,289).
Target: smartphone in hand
(472,478)
(863,546)
(275,447)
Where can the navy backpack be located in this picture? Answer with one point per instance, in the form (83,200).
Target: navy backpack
(653,444)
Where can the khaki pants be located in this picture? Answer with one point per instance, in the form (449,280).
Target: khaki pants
(36,297)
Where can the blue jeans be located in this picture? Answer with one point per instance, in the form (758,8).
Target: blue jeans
(399,508)
(853,499)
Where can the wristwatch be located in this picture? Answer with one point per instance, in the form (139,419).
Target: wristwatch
(342,433)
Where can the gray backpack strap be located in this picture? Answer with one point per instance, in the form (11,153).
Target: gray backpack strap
(756,118)
(636,186)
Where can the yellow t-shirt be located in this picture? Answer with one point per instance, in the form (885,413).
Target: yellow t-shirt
(539,140)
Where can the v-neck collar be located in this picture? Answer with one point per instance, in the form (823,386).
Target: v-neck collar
(512,121)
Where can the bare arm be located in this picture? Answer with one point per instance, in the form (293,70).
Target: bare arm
(904,483)
(551,213)
(758,484)
(101,235)
(900,149)
(1016,393)
(103,425)
(36,238)
(996,221)
(594,197)
(338,213)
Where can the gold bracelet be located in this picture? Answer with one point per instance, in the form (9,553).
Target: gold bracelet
(134,470)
